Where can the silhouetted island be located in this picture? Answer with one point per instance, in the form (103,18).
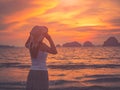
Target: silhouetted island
(88,44)
(58,45)
(6,46)
(111,41)
(72,44)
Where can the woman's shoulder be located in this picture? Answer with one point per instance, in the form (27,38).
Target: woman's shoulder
(43,47)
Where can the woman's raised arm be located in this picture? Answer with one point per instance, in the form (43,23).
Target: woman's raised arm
(27,42)
(52,49)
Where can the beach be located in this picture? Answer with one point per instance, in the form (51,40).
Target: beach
(81,68)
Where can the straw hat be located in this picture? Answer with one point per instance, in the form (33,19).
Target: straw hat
(36,35)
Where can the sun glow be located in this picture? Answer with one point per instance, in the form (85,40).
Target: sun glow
(67,20)
(69,2)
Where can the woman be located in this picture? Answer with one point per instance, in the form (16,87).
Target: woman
(38,74)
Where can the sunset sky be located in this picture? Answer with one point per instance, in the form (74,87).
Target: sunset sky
(67,20)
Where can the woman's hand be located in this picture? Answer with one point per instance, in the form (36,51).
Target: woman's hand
(47,36)
(52,48)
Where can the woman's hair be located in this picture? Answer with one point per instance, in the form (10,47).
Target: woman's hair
(34,51)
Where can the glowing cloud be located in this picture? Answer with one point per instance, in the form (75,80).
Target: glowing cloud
(67,20)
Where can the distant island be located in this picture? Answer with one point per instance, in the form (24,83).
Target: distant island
(72,44)
(6,46)
(58,45)
(111,41)
(88,44)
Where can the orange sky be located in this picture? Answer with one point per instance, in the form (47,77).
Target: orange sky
(67,20)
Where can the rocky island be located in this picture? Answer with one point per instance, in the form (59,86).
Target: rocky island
(72,44)
(111,41)
(88,44)
(6,46)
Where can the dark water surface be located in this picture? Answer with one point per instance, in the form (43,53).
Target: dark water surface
(92,68)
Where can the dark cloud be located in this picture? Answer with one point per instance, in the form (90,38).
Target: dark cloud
(109,31)
(85,28)
(115,21)
(11,6)
(8,7)
(5,26)
(93,11)
(96,29)
(2,34)
(115,2)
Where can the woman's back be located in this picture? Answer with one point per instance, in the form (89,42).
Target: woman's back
(39,63)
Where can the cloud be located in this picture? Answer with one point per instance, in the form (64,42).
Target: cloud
(20,10)
(5,26)
(96,29)
(8,7)
(66,19)
(23,10)
(114,21)
(115,2)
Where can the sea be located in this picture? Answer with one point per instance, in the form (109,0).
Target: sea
(73,68)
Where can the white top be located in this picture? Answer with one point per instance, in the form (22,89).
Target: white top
(39,63)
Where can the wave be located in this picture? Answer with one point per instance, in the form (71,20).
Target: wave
(12,85)
(15,65)
(68,88)
(60,82)
(103,80)
(61,85)
(86,88)
(109,58)
(100,76)
(69,67)
(64,67)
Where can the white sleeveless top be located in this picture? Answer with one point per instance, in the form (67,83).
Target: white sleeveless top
(39,63)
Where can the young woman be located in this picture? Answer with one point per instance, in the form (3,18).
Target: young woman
(38,74)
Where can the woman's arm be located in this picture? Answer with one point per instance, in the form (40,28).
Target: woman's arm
(26,44)
(52,48)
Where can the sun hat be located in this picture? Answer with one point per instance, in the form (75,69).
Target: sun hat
(36,35)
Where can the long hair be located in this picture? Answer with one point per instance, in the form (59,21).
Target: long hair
(34,50)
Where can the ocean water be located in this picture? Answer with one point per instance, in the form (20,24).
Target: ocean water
(84,68)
